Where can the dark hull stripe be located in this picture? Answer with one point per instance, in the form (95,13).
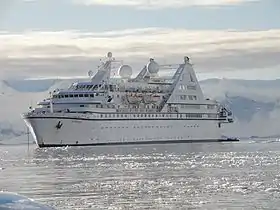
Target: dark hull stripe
(143,142)
(127,119)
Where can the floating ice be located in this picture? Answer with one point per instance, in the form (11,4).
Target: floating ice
(11,201)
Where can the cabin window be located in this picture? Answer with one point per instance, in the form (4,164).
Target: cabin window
(86,95)
(191,87)
(210,106)
(81,95)
(66,96)
(82,105)
(75,95)
(192,97)
(92,95)
(71,96)
(183,97)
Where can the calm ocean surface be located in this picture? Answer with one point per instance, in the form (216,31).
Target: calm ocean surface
(238,175)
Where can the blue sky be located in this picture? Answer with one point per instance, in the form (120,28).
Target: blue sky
(221,35)
(65,14)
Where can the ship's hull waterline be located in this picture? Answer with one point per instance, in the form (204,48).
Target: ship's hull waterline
(58,132)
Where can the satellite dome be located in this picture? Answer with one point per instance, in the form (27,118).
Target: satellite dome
(153,67)
(125,71)
(109,54)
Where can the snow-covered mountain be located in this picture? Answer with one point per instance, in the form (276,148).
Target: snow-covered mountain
(255,104)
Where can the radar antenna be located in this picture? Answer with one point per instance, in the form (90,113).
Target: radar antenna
(90,73)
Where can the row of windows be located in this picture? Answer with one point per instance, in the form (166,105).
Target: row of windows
(188,115)
(94,87)
(211,106)
(187,87)
(183,106)
(189,97)
(77,95)
(148,127)
(196,106)
(125,139)
(190,106)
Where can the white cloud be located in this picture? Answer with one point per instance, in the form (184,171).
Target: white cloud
(150,4)
(74,50)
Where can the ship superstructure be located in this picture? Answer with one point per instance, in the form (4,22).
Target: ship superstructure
(124,110)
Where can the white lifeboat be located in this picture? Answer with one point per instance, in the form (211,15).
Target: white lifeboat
(133,98)
(152,98)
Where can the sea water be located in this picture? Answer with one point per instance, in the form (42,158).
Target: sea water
(229,175)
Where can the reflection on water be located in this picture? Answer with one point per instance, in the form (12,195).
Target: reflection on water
(182,176)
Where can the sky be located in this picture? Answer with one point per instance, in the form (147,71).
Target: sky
(224,38)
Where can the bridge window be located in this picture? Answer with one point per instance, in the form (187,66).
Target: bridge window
(183,97)
(92,95)
(192,97)
(81,95)
(75,95)
(71,96)
(86,95)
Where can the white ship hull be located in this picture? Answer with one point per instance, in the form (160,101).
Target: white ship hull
(83,132)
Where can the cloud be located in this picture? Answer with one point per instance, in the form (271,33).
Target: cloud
(151,4)
(72,51)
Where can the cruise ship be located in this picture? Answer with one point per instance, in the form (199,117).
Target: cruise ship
(120,109)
